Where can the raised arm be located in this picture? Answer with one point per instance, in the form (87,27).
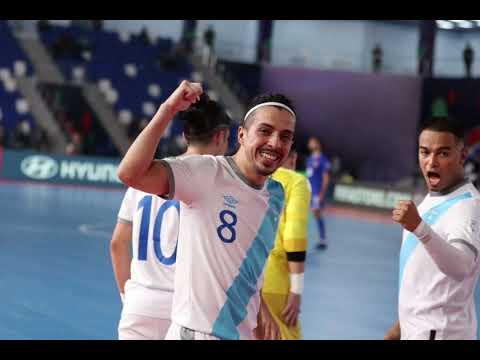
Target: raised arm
(138,169)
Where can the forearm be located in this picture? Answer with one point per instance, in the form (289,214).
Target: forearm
(120,254)
(296,270)
(141,153)
(452,261)
(296,267)
(325,183)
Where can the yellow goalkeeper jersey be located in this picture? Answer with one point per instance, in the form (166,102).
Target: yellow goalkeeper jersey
(292,230)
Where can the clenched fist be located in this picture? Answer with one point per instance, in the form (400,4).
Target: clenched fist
(184,96)
(406,214)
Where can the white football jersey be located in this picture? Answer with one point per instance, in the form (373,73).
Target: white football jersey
(155,224)
(227,231)
(430,302)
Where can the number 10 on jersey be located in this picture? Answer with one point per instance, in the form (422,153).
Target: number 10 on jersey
(146,204)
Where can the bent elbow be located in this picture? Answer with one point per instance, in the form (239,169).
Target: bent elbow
(457,274)
(125,176)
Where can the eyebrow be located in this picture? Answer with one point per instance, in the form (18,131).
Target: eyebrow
(290,132)
(271,127)
(439,149)
(265,124)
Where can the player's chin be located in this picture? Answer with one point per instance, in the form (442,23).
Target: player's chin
(264,170)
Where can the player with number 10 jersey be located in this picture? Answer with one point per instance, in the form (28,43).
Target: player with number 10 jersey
(228,219)
(151,224)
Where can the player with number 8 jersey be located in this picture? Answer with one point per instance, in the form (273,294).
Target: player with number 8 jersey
(223,245)
(229,215)
(151,224)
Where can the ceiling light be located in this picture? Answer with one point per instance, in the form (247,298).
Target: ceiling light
(443,24)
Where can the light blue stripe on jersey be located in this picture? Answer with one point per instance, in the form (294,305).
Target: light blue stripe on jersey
(430,217)
(244,285)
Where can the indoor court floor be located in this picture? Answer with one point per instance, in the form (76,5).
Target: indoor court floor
(57,282)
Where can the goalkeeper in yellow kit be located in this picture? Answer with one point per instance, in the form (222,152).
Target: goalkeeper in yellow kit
(283,281)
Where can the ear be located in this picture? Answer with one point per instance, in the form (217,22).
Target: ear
(184,138)
(294,159)
(241,135)
(217,137)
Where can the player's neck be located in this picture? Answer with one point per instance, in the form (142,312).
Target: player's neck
(198,150)
(255,179)
(316,153)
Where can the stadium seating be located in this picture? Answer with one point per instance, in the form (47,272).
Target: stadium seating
(13,63)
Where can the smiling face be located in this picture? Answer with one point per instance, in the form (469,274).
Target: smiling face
(266,139)
(441,156)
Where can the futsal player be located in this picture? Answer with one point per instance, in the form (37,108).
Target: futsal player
(439,264)
(318,172)
(230,218)
(284,275)
(148,225)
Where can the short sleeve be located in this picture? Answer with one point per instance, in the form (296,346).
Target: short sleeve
(191,177)
(127,208)
(296,216)
(327,165)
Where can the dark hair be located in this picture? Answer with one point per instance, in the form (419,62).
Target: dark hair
(260,99)
(444,124)
(203,119)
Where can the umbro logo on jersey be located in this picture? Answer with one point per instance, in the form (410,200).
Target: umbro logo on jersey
(230,200)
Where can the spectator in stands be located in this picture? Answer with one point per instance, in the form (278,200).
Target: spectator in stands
(41,140)
(86,122)
(66,46)
(43,25)
(144,37)
(188,40)
(75,147)
(65,122)
(97,25)
(2,136)
(377,55)
(22,136)
(209,46)
(468,57)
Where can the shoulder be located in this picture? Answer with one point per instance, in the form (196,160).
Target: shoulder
(130,194)
(283,175)
(469,207)
(195,161)
(275,188)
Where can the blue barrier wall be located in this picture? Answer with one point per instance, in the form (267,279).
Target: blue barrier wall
(77,170)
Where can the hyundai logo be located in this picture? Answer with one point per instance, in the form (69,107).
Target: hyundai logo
(39,167)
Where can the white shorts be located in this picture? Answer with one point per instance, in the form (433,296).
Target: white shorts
(177,332)
(140,327)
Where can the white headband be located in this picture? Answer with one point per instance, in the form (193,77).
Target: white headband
(271,103)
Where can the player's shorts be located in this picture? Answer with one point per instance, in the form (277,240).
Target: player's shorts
(140,327)
(276,303)
(178,332)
